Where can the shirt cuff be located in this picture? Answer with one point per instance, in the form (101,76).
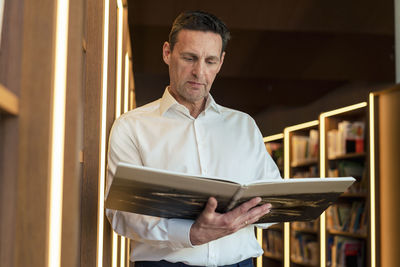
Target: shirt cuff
(179,233)
(264,225)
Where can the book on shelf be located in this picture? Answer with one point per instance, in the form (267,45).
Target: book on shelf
(343,251)
(275,149)
(305,148)
(170,194)
(305,249)
(310,225)
(347,138)
(356,169)
(347,217)
(273,243)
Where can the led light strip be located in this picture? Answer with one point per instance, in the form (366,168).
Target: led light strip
(259,231)
(58,135)
(372,178)
(122,256)
(322,119)
(126,86)
(286,226)
(118,85)
(286,140)
(114,249)
(102,159)
(273,137)
(322,218)
(259,261)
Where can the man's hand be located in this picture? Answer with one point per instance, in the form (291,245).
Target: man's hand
(212,225)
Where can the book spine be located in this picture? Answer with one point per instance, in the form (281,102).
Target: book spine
(238,194)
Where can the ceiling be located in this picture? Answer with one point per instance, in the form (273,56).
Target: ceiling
(282,53)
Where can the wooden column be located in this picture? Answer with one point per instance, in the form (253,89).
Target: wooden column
(389,173)
(92,127)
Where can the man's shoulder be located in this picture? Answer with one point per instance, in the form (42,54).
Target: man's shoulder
(230,112)
(150,108)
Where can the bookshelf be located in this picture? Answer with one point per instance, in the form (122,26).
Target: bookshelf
(272,239)
(345,225)
(366,232)
(301,151)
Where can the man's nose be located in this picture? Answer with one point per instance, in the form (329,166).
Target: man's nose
(198,69)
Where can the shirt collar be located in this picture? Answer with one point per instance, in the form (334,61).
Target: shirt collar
(168,101)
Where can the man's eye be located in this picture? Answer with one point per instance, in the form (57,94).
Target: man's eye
(188,58)
(211,62)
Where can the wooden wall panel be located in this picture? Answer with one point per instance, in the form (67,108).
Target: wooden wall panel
(10,75)
(34,133)
(91,136)
(70,246)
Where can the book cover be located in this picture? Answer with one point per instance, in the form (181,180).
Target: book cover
(169,194)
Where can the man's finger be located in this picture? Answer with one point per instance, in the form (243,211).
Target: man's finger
(255,214)
(211,205)
(245,207)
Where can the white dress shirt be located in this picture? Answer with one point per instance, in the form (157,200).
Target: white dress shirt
(220,142)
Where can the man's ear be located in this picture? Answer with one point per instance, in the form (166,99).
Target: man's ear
(166,52)
(221,61)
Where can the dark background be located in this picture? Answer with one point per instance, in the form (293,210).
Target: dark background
(287,61)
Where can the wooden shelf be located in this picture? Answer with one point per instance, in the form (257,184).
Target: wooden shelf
(305,230)
(275,227)
(274,256)
(304,163)
(348,234)
(354,195)
(9,102)
(303,263)
(348,156)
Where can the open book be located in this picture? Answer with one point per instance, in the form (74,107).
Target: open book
(169,194)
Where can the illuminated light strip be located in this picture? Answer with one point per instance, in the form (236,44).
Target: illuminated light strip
(322,146)
(286,226)
(118,90)
(102,159)
(131,99)
(345,109)
(126,94)
(118,86)
(114,248)
(122,256)
(372,178)
(286,140)
(259,261)
(58,135)
(322,218)
(273,137)
(128,249)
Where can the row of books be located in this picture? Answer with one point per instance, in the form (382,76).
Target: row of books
(305,249)
(273,243)
(345,252)
(347,138)
(275,149)
(308,225)
(356,169)
(305,148)
(348,217)
(312,171)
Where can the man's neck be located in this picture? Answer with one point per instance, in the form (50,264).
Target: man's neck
(195,108)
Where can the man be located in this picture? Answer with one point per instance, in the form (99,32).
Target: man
(186,131)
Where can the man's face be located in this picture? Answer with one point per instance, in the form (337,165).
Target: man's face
(193,64)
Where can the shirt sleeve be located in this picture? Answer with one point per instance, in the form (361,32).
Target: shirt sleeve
(172,233)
